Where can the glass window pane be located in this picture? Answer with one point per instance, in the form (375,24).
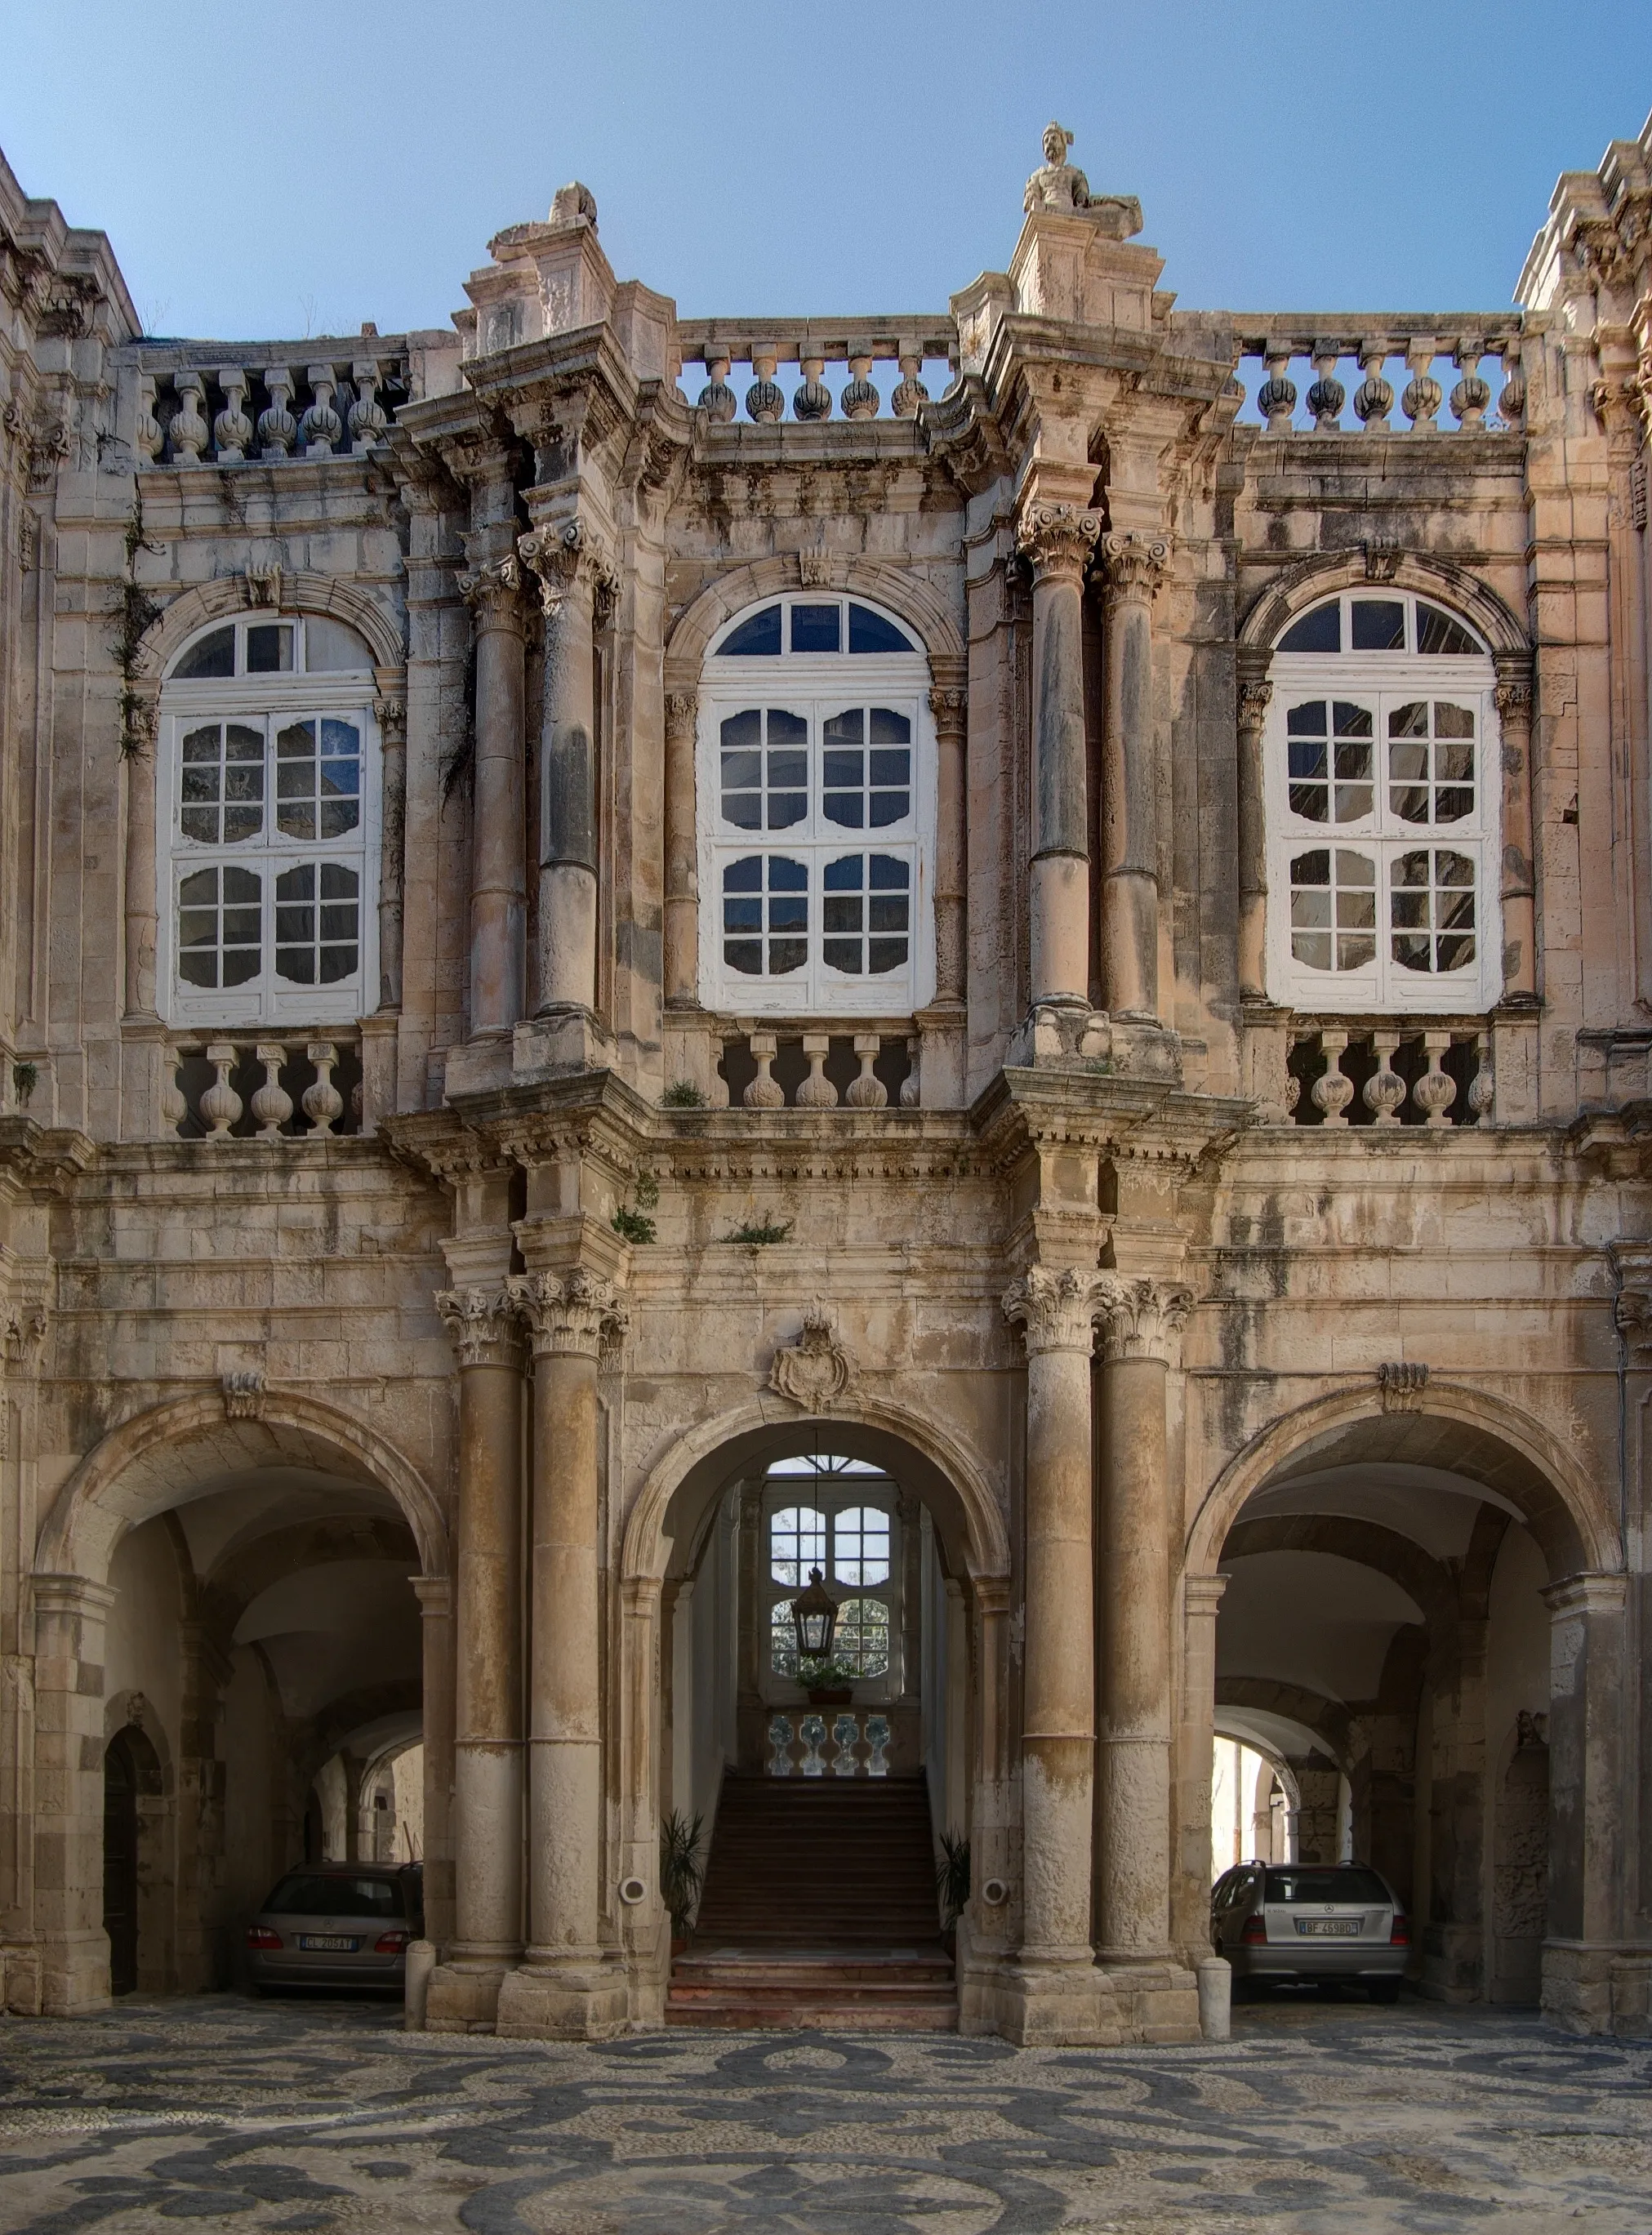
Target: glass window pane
(755,638)
(330,648)
(1379,625)
(862,1636)
(1318,631)
(869,632)
(783,1639)
(269,648)
(817,628)
(1438,632)
(213,656)
(797,1544)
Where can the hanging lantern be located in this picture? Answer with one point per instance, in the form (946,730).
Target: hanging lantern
(814,1616)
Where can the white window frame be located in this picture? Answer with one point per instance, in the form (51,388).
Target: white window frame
(816,685)
(831,1494)
(1382,681)
(271,700)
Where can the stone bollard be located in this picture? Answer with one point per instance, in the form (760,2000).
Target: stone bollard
(420,1961)
(1216,1998)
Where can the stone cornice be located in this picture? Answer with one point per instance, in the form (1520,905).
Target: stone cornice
(41,1161)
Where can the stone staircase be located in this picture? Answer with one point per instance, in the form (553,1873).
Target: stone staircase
(819,1909)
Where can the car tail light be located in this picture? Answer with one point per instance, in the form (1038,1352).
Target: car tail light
(1255,1932)
(391,1943)
(259,1936)
(1399,1935)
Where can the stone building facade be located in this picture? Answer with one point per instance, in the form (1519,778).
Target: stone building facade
(1037,914)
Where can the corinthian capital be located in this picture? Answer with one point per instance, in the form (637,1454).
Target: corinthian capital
(493,591)
(481,1325)
(682,708)
(565,556)
(1135,565)
(1143,1318)
(1058,539)
(1057,1311)
(950,706)
(570,1316)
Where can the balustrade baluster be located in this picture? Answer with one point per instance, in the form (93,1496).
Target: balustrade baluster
(813,400)
(1333,1090)
(1471,397)
(231,429)
(867,1092)
(1435,1092)
(1373,398)
(766,399)
(765,1092)
(277,428)
(1424,394)
(812,1731)
(1482,1088)
(1328,394)
(1276,397)
(817,1092)
(272,1104)
(717,399)
(323,1104)
(188,431)
(909,390)
(1385,1090)
(320,426)
(221,1105)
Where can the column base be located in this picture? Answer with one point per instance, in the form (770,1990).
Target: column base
(1157,2002)
(572,2002)
(73,1973)
(1056,2004)
(1598,1986)
(559,1042)
(480,1067)
(463,1996)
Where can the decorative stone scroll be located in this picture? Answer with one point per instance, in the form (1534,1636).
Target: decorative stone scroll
(483,1326)
(559,557)
(1134,565)
(493,592)
(570,1317)
(816,1370)
(1402,1383)
(1057,539)
(1143,1318)
(1057,1310)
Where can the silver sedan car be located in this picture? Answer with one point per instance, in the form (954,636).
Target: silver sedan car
(337,1924)
(1312,1923)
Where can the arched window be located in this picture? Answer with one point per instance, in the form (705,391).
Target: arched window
(817,790)
(268,788)
(1382,809)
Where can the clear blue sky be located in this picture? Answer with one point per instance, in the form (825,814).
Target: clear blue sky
(266,174)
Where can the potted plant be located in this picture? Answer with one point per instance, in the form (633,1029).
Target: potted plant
(829,1683)
(681,1873)
(952,1882)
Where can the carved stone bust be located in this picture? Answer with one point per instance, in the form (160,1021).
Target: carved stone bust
(1060,186)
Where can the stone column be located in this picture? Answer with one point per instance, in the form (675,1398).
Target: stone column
(640,1673)
(1058,541)
(1140,1337)
(488,1715)
(498,867)
(1517,890)
(1587,1834)
(1195,1742)
(140,730)
(1058,1997)
(563,1990)
(682,926)
(434,1595)
(1129,896)
(1255,693)
(389,711)
(576,588)
(949,704)
(71,1614)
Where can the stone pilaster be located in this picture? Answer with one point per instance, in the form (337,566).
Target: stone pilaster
(682,924)
(1195,1739)
(1255,693)
(1142,1321)
(1587,1888)
(71,1614)
(1058,1995)
(1058,541)
(498,875)
(1517,892)
(434,1595)
(488,1723)
(1134,566)
(565,1990)
(389,711)
(140,731)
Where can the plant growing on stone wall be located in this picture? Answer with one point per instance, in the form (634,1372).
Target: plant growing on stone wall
(682,1094)
(133,611)
(681,1871)
(952,1877)
(25,1076)
(636,1225)
(757,1234)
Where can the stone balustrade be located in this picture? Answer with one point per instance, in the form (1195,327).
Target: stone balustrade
(821,1070)
(1389,1074)
(1448,372)
(836,364)
(829,1742)
(304,402)
(260,1088)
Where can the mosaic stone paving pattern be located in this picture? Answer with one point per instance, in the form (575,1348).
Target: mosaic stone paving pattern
(1312,2120)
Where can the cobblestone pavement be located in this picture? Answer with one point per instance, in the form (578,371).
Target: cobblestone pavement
(1312,2120)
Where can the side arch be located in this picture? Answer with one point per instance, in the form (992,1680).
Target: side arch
(302,592)
(708,1455)
(1306,583)
(139,1468)
(915,601)
(1465,1431)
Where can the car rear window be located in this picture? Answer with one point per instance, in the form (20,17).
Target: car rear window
(1346,1884)
(312,1894)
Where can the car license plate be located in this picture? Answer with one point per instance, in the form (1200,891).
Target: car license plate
(1329,1928)
(330,1943)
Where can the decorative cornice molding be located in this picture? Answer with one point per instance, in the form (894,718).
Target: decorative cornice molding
(483,1326)
(1058,541)
(816,1369)
(570,1317)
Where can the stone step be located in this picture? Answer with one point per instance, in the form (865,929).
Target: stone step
(735,2014)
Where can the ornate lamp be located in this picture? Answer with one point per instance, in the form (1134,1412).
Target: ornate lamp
(814,1616)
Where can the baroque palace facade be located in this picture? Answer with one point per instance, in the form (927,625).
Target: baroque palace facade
(1008,952)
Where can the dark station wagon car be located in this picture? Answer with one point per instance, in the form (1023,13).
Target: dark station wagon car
(337,1924)
(1313,1923)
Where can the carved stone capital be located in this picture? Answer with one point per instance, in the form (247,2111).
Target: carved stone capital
(23,1333)
(1134,565)
(1058,541)
(950,707)
(1402,1383)
(816,1370)
(1255,693)
(1144,1319)
(390,714)
(494,593)
(565,557)
(682,711)
(1057,1311)
(568,1316)
(481,1325)
(1513,696)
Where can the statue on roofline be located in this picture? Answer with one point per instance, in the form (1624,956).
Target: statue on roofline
(1059,186)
